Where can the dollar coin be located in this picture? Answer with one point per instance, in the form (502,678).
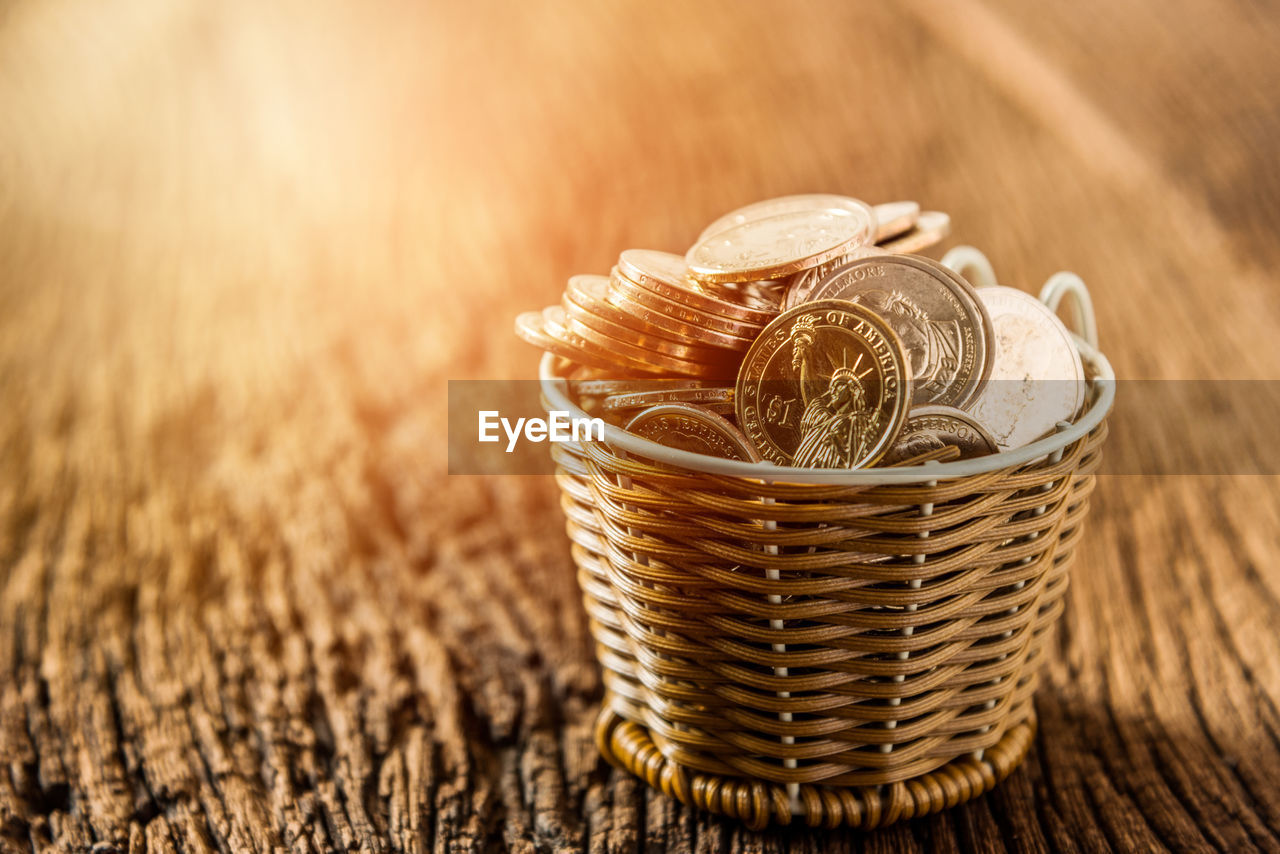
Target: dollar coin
(531,327)
(667,275)
(826,385)
(932,427)
(687,427)
(779,245)
(596,295)
(936,314)
(602,316)
(789,204)
(661,311)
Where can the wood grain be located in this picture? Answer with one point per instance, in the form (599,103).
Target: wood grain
(243,247)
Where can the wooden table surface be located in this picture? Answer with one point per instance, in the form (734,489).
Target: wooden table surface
(243,246)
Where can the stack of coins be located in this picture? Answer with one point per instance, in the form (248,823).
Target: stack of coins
(803,331)
(650,318)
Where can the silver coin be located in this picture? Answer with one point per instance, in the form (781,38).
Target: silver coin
(932,227)
(895,218)
(1036,379)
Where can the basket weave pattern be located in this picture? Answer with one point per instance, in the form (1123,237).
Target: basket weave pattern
(875,647)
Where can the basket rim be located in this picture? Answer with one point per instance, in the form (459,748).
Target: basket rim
(555,392)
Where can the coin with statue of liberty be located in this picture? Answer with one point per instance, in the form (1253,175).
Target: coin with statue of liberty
(826,385)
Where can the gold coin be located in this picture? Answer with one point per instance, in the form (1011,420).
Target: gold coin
(593,293)
(1038,379)
(667,275)
(937,315)
(629,296)
(646,338)
(894,219)
(555,326)
(530,327)
(765,296)
(826,385)
(931,228)
(717,398)
(656,363)
(930,428)
(693,428)
(786,204)
(779,245)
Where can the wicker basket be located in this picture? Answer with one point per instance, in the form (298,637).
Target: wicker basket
(844,648)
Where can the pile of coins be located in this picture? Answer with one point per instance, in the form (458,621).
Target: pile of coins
(803,331)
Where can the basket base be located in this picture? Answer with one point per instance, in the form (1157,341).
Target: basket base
(757,804)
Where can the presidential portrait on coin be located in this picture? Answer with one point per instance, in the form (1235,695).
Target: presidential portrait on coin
(936,314)
(932,345)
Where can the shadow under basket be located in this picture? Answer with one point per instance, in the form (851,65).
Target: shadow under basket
(834,648)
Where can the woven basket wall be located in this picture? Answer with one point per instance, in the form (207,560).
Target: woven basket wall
(848,655)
